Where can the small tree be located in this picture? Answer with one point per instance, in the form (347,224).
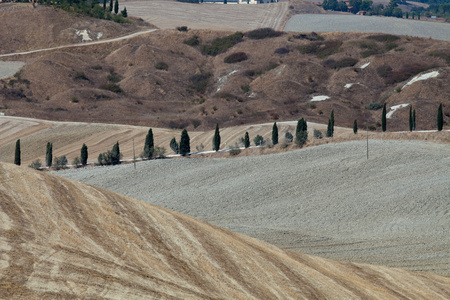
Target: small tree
(216,139)
(60,162)
(36,164)
(414,119)
(124,12)
(288,137)
(329,130)
(275,134)
(76,162)
(116,7)
(355,127)
(110,5)
(84,155)
(149,145)
(440,118)
(258,140)
(383,118)
(185,146)
(49,155)
(246,140)
(317,134)
(332,122)
(17,153)
(115,154)
(174,146)
(410,119)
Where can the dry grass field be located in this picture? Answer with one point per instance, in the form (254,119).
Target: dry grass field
(62,239)
(170,14)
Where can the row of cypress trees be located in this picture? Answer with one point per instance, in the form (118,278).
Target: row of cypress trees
(183,148)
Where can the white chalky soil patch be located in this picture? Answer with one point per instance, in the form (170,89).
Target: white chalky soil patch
(319,98)
(394,108)
(365,65)
(9,68)
(422,77)
(348,85)
(84,35)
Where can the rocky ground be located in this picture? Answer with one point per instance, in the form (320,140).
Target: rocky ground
(329,200)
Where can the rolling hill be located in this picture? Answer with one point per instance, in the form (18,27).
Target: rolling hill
(63,239)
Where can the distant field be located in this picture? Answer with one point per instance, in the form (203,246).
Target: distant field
(328,200)
(170,14)
(353,23)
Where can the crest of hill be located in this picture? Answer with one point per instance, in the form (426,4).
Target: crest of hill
(63,239)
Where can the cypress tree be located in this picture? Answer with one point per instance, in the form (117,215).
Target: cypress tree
(216,139)
(440,118)
(329,131)
(17,153)
(104,5)
(116,7)
(124,12)
(115,154)
(301,134)
(355,127)
(174,146)
(49,155)
(275,134)
(332,122)
(84,155)
(383,118)
(410,119)
(185,146)
(149,145)
(414,119)
(246,140)
(110,5)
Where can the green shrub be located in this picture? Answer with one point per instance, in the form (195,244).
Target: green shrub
(374,106)
(384,71)
(80,76)
(245,88)
(113,88)
(317,134)
(258,140)
(162,66)
(193,41)
(385,38)
(288,137)
(263,33)
(114,78)
(272,65)
(36,164)
(235,58)
(60,162)
(321,49)
(343,63)
(182,28)
(310,37)
(444,54)
(249,73)
(221,45)
(369,52)
(282,51)
(235,151)
(390,46)
(199,82)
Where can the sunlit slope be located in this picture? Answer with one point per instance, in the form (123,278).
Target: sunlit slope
(63,239)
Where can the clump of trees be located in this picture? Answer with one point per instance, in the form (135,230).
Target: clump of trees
(111,157)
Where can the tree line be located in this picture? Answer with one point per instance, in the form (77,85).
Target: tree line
(150,151)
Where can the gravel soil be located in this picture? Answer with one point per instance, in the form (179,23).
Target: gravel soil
(353,23)
(392,209)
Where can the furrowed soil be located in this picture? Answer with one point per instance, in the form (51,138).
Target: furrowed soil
(391,209)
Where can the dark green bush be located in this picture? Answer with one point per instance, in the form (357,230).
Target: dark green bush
(444,54)
(282,51)
(235,151)
(221,45)
(162,66)
(182,28)
(249,73)
(199,82)
(310,37)
(384,71)
(374,106)
(263,33)
(385,38)
(112,87)
(114,78)
(193,41)
(80,76)
(391,46)
(321,49)
(235,58)
(343,63)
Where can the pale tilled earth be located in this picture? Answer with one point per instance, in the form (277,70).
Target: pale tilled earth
(329,200)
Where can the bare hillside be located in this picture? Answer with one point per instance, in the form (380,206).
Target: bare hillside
(62,240)
(328,200)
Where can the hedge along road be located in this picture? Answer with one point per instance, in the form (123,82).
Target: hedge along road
(82,44)
(354,23)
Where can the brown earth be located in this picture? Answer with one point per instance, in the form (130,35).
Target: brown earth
(70,84)
(63,239)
